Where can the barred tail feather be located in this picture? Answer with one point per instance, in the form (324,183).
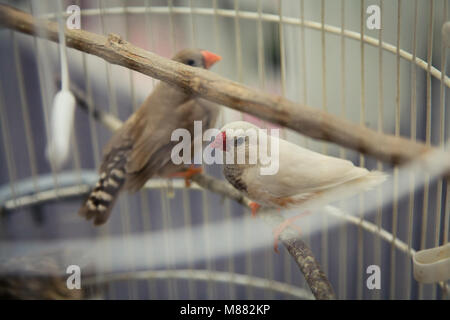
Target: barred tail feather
(101,200)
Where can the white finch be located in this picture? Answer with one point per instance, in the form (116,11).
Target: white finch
(141,148)
(302,174)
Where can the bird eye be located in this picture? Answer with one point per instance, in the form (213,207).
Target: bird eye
(190,62)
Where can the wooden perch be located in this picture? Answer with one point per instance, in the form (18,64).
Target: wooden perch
(303,119)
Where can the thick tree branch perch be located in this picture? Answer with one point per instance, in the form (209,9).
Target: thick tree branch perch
(303,119)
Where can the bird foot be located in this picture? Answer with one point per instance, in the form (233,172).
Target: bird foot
(255,207)
(187,174)
(287,223)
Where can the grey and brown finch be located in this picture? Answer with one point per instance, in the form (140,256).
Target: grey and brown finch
(141,148)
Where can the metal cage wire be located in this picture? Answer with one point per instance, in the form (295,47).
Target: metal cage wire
(393,80)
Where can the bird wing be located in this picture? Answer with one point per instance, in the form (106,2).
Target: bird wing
(151,154)
(302,171)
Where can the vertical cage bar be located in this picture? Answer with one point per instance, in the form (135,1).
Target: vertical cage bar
(65,85)
(10,162)
(172,27)
(237,36)
(94,135)
(304,99)
(193,24)
(440,182)
(287,263)
(166,222)
(397,133)
(441,126)
(447,134)
(343,228)
(324,232)
(362,115)
(227,202)
(287,258)
(426,191)
(145,207)
(125,203)
(112,106)
(282,49)
(237,29)
(205,203)
(188,224)
(268,256)
(380,128)
(303,49)
(413,124)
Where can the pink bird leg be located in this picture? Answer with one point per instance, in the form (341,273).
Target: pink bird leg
(287,223)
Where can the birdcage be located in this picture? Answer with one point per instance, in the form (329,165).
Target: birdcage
(380,64)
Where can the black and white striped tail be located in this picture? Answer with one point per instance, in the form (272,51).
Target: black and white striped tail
(100,202)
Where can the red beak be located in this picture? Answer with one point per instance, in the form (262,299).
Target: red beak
(210,58)
(220,141)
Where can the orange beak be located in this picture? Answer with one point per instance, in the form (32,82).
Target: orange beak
(210,58)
